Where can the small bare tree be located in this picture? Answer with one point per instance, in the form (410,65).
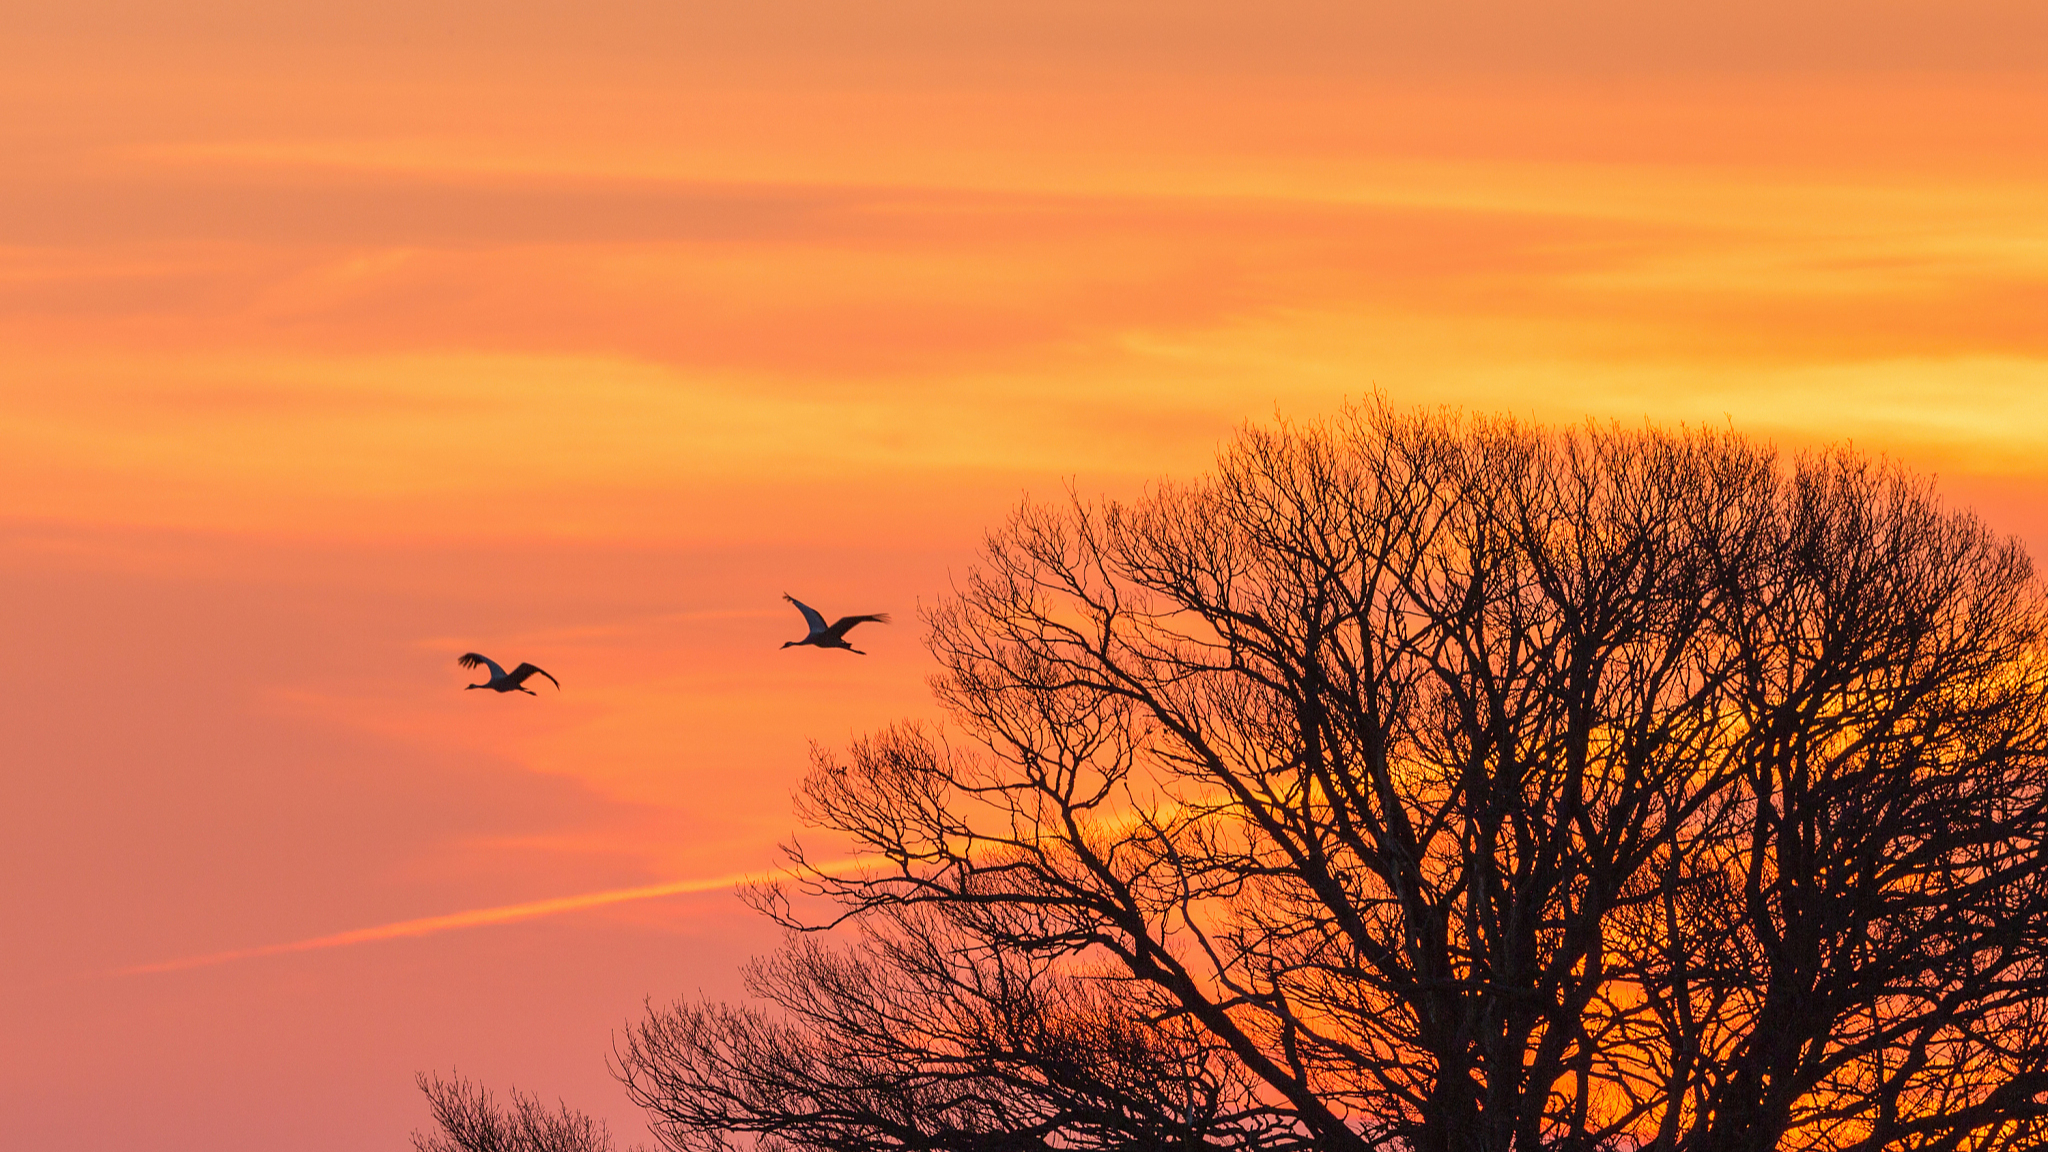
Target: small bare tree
(469,1119)
(1438,784)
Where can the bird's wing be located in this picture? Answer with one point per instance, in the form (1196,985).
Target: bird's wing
(520,674)
(471,660)
(811,616)
(840,626)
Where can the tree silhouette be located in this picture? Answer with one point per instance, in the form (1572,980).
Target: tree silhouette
(468,1118)
(931,1033)
(1439,784)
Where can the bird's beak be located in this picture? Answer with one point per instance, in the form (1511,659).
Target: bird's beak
(788,643)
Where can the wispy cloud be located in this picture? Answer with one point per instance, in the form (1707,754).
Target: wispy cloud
(472,918)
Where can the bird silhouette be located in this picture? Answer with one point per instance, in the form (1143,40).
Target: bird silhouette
(830,637)
(500,682)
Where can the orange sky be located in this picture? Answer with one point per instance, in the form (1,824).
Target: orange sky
(338,339)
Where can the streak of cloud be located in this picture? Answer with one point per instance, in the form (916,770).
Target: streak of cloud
(472,918)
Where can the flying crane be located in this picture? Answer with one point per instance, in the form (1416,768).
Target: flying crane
(499,681)
(834,635)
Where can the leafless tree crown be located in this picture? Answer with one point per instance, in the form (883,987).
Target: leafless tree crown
(468,1118)
(1439,784)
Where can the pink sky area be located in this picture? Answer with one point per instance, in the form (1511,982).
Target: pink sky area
(339,339)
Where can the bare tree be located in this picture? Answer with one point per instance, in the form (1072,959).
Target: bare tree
(469,1119)
(1886,832)
(930,1033)
(1441,784)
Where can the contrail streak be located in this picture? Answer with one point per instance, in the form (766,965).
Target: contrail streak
(507,913)
(474,918)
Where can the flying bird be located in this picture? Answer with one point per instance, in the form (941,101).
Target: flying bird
(834,636)
(499,681)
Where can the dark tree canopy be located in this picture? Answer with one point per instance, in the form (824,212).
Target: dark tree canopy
(1431,783)
(930,1034)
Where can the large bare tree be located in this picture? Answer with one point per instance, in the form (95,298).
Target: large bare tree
(1435,783)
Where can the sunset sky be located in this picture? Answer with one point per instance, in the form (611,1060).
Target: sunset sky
(337,339)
